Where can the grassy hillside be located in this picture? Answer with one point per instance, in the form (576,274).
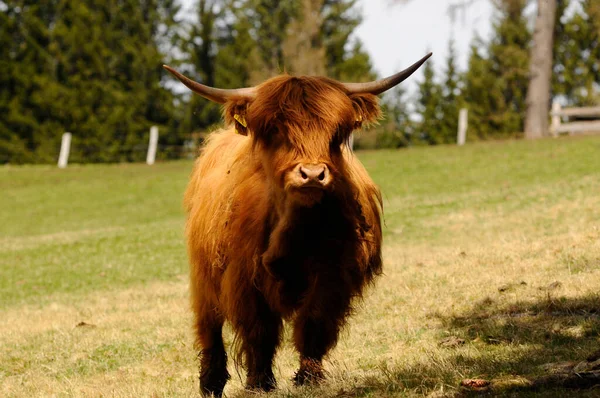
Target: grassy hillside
(492,268)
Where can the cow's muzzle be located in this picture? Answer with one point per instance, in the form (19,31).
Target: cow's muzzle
(311,175)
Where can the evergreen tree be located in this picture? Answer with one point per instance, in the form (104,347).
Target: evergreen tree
(296,37)
(109,64)
(560,38)
(201,48)
(11,145)
(237,56)
(396,129)
(300,36)
(451,99)
(356,66)
(429,106)
(271,19)
(577,68)
(340,19)
(509,58)
(481,93)
(26,64)
(92,68)
(496,82)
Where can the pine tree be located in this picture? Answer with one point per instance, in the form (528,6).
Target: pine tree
(317,40)
(303,37)
(201,49)
(577,68)
(26,64)
(451,98)
(429,106)
(109,64)
(91,68)
(509,57)
(340,19)
(396,129)
(558,48)
(481,92)
(237,55)
(496,82)
(271,19)
(357,66)
(12,147)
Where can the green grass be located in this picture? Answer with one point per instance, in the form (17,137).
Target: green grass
(88,228)
(425,183)
(41,200)
(475,238)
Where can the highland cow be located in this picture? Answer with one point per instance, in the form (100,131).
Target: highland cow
(284,223)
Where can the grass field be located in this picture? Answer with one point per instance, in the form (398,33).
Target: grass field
(497,244)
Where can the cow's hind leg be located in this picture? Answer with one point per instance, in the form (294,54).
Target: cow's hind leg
(213,358)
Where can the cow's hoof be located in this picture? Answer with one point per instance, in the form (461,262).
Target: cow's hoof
(310,372)
(262,382)
(213,383)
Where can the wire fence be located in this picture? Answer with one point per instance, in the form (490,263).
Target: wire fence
(150,152)
(585,120)
(153,150)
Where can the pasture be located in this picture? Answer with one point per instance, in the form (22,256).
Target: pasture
(492,271)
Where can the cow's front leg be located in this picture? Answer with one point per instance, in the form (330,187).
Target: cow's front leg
(260,334)
(209,338)
(316,331)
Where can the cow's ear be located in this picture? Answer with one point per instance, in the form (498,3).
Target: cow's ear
(235,113)
(366,109)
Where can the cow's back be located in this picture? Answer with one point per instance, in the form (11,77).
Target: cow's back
(219,153)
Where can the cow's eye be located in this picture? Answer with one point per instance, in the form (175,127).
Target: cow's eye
(275,138)
(338,138)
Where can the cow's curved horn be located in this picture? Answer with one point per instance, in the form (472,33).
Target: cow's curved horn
(214,94)
(379,86)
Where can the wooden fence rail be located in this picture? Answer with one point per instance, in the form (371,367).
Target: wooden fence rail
(587,125)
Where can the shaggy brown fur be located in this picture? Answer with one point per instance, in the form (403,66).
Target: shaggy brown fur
(260,250)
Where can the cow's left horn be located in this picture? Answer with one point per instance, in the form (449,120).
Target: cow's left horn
(214,94)
(379,86)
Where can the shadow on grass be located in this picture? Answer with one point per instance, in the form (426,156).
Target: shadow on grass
(519,347)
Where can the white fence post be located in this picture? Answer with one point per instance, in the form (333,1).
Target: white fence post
(555,126)
(151,156)
(463,121)
(65,148)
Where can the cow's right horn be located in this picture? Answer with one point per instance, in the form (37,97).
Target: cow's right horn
(214,94)
(379,86)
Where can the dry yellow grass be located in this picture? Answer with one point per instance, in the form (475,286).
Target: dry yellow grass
(137,341)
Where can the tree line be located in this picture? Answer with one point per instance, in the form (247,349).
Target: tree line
(94,68)
(89,67)
(494,85)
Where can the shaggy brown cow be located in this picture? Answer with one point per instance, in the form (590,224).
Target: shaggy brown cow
(283,224)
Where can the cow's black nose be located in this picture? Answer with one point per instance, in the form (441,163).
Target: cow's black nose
(314,174)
